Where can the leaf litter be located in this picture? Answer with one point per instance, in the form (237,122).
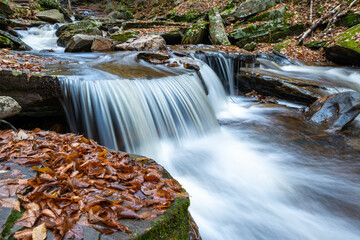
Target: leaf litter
(79,183)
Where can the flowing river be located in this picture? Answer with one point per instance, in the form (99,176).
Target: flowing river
(253,171)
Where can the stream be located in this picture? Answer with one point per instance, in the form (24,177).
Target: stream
(253,171)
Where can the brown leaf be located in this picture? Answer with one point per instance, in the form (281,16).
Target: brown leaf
(39,233)
(28,219)
(76,232)
(10,203)
(24,234)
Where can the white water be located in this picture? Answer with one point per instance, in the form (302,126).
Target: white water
(41,38)
(243,184)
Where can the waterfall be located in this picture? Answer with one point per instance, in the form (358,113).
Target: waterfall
(134,114)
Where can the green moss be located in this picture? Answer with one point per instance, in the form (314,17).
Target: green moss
(269,15)
(316,44)
(14,216)
(346,39)
(195,33)
(351,20)
(123,37)
(174,224)
(5,42)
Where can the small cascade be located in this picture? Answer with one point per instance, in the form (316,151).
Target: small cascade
(41,38)
(226,66)
(134,114)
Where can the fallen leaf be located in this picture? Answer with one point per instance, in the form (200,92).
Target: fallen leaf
(39,233)
(10,203)
(24,234)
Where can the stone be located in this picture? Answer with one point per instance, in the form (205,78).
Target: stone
(271,31)
(335,111)
(250,46)
(251,7)
(196,33)
(8,107)
(17,42)
(101,44)
(6,43)
(38,95)
(67,31)
(145,43)
(153,57)
(51,16)
(80,43)
(217,29)
(273,14)
(303,91)
(345,48)
(316,44)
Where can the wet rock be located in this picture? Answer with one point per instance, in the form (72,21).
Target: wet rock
(173,64)
(17,42)
(335,111)
(278,58)
(146,43)
(51,16)
(154,57)
(345,48)
(101,44)
(191,66)
(217,30)
(173,37)
(251,7)
(196,33)
(87,27)
(8,107)
(283,87)
(80,43)
(271,31)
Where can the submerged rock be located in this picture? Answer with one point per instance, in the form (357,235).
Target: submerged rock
(154,57)
(217,30)
(8,107)
(51,16)
(345,48)
(146,43)
(335,111)
(196,33)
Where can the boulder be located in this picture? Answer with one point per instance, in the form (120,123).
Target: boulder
(335,111)
(17,42)
(6,43)
(217,30)
(80,43)
(67,31)
(8,107)
(251,7)
(271,31)
(101,44)
(196,33)
(51,16)
(345,48)
(173,37)
(146,43)
(274,14)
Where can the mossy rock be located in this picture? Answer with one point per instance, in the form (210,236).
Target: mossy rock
(316,44)
(345,48)
(271,31)
(251,7)
(217,29)
(275,14)
(67,31)
(6,43)
(173,37)
(195,33)
(228,11)
(349,20)
(189,16)
(123,37)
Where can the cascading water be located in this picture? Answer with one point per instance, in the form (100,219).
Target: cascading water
(260,175)
(41,38)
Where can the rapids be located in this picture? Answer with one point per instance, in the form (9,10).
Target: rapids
(252,172)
